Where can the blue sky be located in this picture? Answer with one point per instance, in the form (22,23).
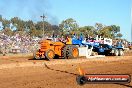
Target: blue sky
(85,12)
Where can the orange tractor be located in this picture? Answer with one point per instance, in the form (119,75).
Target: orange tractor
(49,50)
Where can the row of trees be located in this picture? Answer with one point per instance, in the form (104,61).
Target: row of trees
(15,24)
(112,31)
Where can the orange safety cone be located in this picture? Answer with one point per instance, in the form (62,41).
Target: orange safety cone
(81,71)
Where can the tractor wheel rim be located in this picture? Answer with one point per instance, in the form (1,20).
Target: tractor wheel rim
(75,52)
(50,54)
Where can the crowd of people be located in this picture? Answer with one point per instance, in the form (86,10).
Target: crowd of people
(23,43)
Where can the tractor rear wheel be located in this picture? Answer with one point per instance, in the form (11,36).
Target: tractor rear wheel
(72,52)
(64,52)
(49,54)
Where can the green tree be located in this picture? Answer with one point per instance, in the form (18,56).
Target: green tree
(8,31)
(99,26)
(1,18)
(30,28)
(105,32)
(119,35)
(88,30)
(5,23)
(114,30)
(56,30)
(18,23)
(47,27)
(68,25)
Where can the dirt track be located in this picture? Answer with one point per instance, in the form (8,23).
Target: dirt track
(24,73)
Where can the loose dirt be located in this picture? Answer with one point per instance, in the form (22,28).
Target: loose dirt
(22,72)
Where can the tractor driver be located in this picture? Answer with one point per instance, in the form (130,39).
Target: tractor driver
(68,40)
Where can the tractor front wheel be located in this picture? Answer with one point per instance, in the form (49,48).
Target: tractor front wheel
(49,54)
